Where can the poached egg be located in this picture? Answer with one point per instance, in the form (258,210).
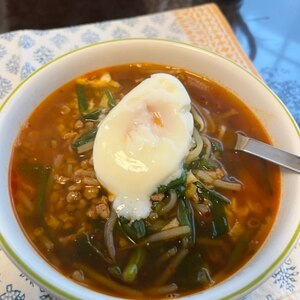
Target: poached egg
(142,143)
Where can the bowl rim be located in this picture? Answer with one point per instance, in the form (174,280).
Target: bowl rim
(240,290)
(170,41)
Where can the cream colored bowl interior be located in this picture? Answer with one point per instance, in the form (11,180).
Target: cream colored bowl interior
(268,108)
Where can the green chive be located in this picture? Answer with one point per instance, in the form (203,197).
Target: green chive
(85,138)
(131,270)
(186,217)
(111,101)
(174,184)
(81,99)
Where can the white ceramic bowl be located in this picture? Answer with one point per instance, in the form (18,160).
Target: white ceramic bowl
(258,97)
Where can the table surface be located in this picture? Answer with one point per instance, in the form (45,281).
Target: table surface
(267,30)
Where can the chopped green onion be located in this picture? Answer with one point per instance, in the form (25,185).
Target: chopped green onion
(85,138)
(219,221)
(174,184)
(116,272)
(186,217)
(110,99)
(83,104)
(180,190)
(43,189)
(85,147)
(134,231)
(131,270)
(167,204)
(237,252)
(44,181)
(203,164)
(33,167)
(212,195)
(93,115)
(240,247)
(160,205)
(81,99)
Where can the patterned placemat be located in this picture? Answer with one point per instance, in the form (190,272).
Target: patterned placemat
(23,51)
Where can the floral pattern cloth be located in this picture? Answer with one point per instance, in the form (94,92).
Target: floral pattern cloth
(24,51)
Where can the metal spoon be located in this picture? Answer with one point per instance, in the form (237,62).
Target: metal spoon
(268,152)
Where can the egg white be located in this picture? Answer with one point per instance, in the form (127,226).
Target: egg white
(142,143)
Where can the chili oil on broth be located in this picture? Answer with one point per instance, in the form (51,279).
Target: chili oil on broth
(66,223)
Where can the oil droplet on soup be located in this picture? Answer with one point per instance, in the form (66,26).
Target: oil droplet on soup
(207,215)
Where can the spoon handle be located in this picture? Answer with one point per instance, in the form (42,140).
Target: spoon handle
(268,152)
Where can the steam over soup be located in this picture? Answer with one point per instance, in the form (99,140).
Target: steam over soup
(195,218)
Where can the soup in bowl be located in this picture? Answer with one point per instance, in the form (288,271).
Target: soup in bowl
(123,181)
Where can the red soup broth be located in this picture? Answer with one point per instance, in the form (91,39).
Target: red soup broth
(65,212)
